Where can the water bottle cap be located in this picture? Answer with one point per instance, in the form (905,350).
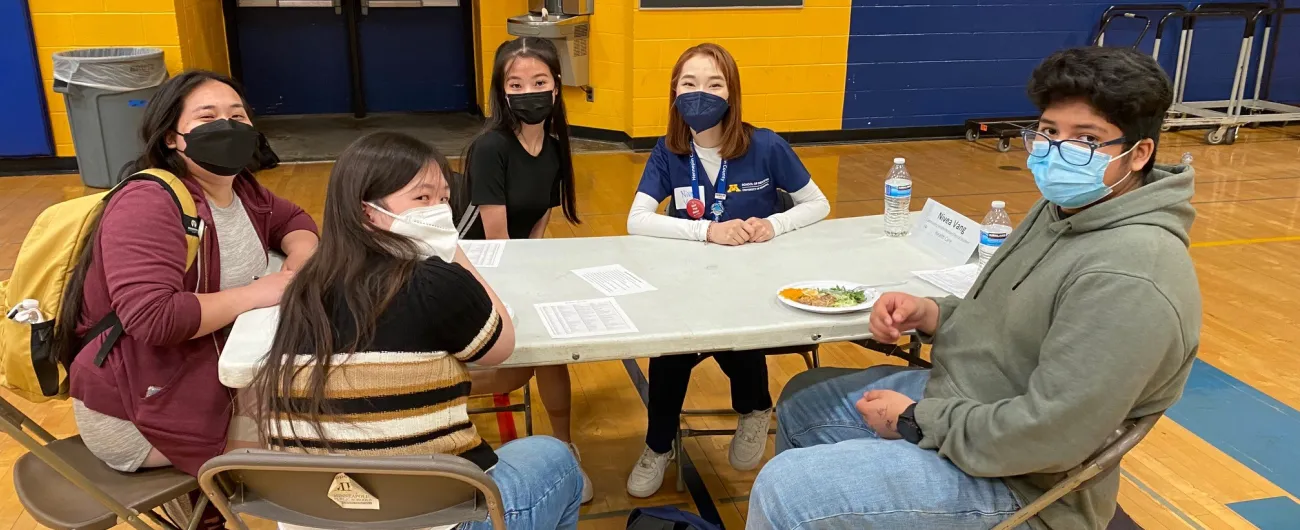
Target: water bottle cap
(999,204)
(900,160)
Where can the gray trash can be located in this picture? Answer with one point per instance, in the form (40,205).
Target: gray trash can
(106,90)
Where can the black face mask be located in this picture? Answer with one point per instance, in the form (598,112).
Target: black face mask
(223,147)
(532,108)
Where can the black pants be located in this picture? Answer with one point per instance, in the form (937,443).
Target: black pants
(670,375)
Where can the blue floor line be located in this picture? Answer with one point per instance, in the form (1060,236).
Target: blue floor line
(1251,427)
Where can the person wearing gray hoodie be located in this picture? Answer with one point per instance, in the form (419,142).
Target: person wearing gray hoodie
(1087,317)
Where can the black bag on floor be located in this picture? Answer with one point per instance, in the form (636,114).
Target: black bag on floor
(666,518)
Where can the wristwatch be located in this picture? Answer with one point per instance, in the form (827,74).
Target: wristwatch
(907,426)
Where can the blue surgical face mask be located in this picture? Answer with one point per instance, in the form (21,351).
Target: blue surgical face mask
(1068,185)
(701,110)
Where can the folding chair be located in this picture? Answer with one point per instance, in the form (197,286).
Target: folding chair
(1093,470)
(413,491)
(65,487)
(810,358)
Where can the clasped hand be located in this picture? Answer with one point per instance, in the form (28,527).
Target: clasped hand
(736,232)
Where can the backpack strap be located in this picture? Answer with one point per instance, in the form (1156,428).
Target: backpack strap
(190,223)
(467,220)
(109,323)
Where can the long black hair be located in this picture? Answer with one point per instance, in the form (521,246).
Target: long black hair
(356,264)
(505,122)
(160,119)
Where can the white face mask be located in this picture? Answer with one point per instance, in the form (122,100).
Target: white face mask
(431,227)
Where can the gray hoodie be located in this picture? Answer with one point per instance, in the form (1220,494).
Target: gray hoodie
(1076,324)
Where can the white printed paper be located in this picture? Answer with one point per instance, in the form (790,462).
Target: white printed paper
(484,254)
(956,280)
(350,495)
(614,280)
(585,318)
(945,233)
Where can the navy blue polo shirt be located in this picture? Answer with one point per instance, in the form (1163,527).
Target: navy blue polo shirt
(752,179)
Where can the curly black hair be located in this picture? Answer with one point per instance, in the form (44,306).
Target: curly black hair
(1122,84)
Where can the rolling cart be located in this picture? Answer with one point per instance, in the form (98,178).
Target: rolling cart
(1006,130)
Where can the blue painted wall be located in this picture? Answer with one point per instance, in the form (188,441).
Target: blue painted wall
(939,62)
(26,130)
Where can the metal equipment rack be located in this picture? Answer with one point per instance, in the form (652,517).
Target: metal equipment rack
(1258,109)
(1224,123)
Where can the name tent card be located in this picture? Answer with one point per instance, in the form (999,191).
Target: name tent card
(945,233)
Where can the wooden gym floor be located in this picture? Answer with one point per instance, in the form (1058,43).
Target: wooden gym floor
(1227,456)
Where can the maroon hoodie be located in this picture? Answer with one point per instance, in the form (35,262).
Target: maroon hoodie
(139,272)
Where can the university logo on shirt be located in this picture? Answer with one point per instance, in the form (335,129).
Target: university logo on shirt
(733,188)
(754,186)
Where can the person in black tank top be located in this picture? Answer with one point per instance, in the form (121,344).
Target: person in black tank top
(517,171)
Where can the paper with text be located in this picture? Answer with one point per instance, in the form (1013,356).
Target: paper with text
(484,254)
(614,280)
(585,318)
(350,495)
(945,233)
(956,280)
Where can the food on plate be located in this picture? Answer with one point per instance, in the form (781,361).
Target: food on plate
(832,297)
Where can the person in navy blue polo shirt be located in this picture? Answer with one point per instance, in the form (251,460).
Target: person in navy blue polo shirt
(722,176)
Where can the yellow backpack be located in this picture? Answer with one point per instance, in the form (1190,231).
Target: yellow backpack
(32,297)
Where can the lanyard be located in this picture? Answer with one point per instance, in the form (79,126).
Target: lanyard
(720,190)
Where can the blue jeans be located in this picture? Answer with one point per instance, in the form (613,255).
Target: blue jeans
(541,487)
(832,471)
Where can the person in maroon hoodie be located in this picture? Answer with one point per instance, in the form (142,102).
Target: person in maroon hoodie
(154,400)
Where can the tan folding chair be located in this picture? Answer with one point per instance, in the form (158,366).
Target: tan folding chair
(1093,470)
(412,491)
(65,487)
(811,358)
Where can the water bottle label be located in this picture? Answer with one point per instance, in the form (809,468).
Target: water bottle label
(993,239)
(898,192)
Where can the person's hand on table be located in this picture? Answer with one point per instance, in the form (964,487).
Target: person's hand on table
(880,409)
(730,233)
(760,229)
(268,290)
(897,313)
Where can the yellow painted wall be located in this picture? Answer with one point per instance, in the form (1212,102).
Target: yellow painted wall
(70,24)
(191,34)
(202,30)
(792,62)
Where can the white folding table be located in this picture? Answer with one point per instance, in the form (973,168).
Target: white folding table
(710,298)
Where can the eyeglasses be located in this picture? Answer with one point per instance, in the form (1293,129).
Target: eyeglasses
(1078,152)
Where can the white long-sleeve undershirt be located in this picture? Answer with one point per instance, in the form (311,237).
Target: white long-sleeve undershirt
(810,206)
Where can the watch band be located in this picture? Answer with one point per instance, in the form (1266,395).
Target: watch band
(907,426)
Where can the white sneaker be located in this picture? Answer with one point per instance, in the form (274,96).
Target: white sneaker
(750,441)
(648,475)
(587,492)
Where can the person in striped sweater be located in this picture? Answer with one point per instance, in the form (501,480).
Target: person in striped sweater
(376,331)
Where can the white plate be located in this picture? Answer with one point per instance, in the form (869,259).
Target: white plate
(872,296)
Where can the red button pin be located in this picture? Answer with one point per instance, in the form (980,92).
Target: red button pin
(695,208)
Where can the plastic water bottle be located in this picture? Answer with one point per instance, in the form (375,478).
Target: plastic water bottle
(994,230)
(898,200)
